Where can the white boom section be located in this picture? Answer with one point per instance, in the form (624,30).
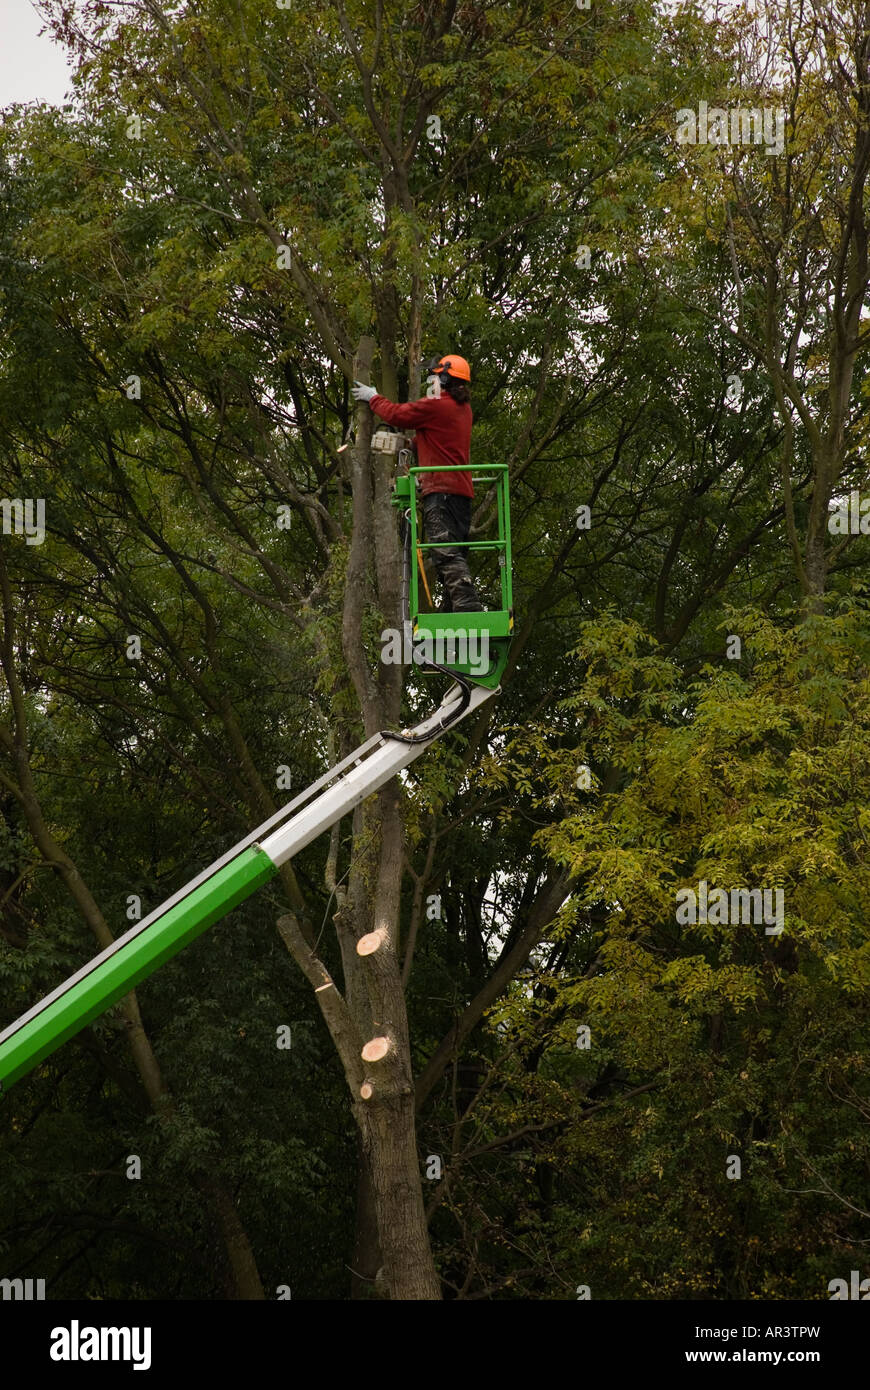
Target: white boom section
(379,760)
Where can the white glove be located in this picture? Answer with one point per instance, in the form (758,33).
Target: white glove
(363,393)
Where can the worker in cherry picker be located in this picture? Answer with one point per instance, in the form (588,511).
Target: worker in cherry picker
(442,420)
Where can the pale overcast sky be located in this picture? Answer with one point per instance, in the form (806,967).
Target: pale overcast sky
(31,68)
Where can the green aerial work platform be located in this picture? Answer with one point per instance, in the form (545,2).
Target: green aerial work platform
(238,873)
(493,628)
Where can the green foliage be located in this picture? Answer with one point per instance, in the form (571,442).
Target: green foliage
(707,1040)
(603,387)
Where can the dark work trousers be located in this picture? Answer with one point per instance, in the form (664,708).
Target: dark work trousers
(447,517)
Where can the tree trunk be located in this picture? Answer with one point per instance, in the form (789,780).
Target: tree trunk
(388,1136)
(367,1258)
(246,1279)
(373,1004)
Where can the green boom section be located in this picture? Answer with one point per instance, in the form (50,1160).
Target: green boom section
(117,973)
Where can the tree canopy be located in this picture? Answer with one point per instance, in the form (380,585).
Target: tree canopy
(667,342)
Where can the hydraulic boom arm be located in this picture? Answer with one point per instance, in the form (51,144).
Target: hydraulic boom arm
(218,889)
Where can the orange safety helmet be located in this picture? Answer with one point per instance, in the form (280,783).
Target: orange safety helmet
(451,364)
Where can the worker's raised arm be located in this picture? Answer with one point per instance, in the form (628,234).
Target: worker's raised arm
(410,415)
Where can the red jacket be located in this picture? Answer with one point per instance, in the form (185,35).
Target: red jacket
(443,437)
